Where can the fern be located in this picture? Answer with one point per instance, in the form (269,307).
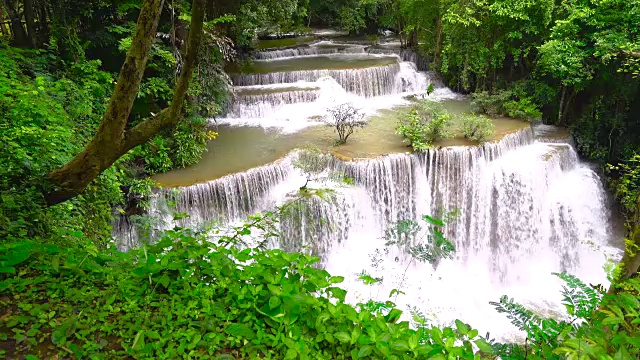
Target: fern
(538,329)
(579,299)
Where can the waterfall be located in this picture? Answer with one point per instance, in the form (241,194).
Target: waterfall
(224,200)
(407,55)
(320,48)
(261,105)
(315,224)
(527,208)
(367,82)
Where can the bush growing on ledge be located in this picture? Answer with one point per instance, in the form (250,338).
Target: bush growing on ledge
(345,118)
(506,103)
(425,124)
(477,128)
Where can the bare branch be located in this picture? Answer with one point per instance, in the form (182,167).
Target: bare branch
(345,118)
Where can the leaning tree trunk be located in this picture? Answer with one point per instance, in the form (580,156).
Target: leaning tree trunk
(112,140)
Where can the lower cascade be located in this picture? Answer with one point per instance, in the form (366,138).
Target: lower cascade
(525,208)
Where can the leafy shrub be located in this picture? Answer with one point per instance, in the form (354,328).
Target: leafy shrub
(627,185)
(44,120)
(600,326)
(188,297)
(423,244)
(425,124)
(477,128)
(506,103)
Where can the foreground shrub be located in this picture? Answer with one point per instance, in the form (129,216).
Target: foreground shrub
(477,128)
(425,124)
(185,297)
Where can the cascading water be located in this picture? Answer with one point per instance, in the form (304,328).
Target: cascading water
(367,82)
(261,105)
(302,97)
(319,48)
(525,207)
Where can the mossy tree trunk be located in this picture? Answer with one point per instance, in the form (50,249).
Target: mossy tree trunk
(113,139)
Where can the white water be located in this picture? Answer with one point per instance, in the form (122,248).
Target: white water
(306,102)
(527,208)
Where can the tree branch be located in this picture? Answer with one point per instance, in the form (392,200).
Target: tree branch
(169,117)
(111,141)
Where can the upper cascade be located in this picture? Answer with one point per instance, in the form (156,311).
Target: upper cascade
(319,48)
(261,105)
(367,82)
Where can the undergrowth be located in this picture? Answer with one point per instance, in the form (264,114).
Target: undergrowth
(186,297)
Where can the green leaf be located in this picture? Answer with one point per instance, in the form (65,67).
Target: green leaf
(240,330)
(434,221)
(337,293)
(393,315)
(462,327)
(365,351)
(138,341)
(342,337)
(195,341)
(484,346)
(7,270)
(16,258)
(274,301)
(291,354)
(401,345)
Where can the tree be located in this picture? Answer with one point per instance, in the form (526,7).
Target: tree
(113,139)
(345,118)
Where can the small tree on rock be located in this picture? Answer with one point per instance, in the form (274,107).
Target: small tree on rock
(345,118)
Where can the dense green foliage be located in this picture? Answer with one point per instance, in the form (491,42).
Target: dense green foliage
(185,297)
(506,103)
(477,128)
(425,124)
(428,122)
(599,326)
